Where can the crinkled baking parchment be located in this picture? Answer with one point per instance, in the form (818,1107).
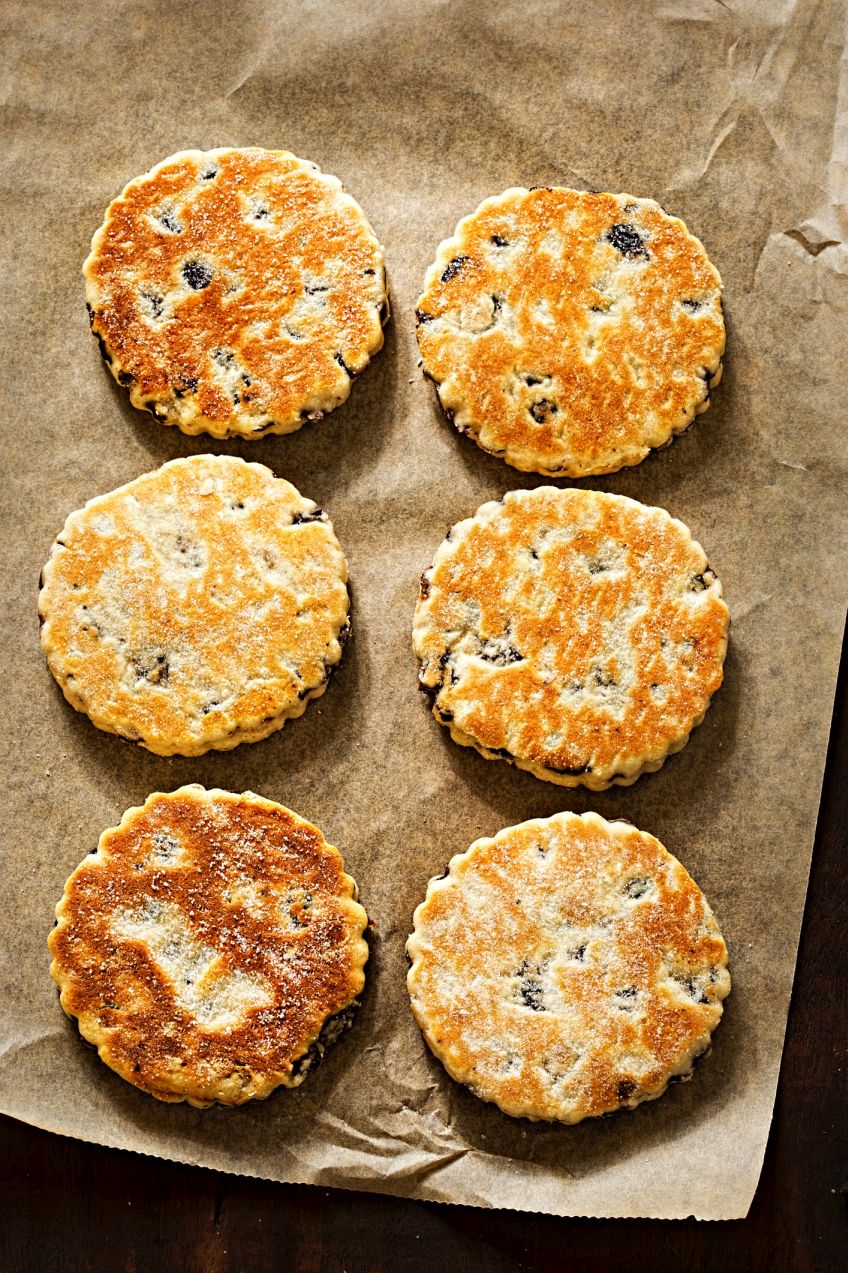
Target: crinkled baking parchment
(731,115)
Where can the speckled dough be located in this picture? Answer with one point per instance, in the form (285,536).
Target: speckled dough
(571,333)
(211,947)
(198,607)
(236,292)
(566,968)
(576,634)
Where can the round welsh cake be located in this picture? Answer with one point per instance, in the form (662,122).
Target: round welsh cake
(198,607)
(566,968)
(571,333)
(210,947)
(576,634)
(236,292)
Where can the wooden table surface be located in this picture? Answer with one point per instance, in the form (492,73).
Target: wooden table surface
(77,1208)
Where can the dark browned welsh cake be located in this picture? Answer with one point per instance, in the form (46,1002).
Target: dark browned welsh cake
(198,607)
(577,635)
(567,968)
(571,333)
(211,947)
(236,292)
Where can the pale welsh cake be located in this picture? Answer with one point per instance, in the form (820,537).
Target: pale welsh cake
(566,968)
(198,607)
(236,292)
(577,635)
(569,332)
(211,947)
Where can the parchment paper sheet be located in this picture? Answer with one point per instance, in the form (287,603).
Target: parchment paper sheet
(732,115)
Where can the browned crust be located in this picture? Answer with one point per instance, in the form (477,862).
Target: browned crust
(292,309)
(556,350)
(297,929)
(566,968)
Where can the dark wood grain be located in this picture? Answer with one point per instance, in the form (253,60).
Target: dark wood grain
(66,1206)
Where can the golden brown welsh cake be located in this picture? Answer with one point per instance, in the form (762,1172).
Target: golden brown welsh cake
(236,292)
(211,947)
(566,968)
(575,634)
(569,332)
(197,607)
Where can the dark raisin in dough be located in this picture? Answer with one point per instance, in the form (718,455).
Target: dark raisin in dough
(626,240)
(197,274)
